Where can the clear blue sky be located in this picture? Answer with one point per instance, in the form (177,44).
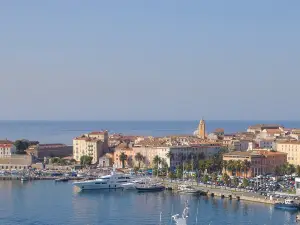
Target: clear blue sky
(137,60)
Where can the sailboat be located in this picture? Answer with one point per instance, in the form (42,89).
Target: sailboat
(185,214)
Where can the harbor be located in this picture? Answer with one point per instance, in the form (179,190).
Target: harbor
(75,207)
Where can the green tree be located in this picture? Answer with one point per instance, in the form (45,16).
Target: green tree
(179,172)
(170,155)
(21,146)
(136,169)
(290,169)
(245,183)
(123,157)
(214,177)
(235,181)
(226,179)
(298,171)
(238,166)
(55,160)
(139,158)
(205,179)
(86,160)
(202,165)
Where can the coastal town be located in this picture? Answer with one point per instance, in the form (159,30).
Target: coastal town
(266,150)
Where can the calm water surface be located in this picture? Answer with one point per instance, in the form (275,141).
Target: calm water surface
(46,202)
(65,131)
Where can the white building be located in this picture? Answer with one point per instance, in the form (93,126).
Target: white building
(87,146)
(265,143)
(7,148)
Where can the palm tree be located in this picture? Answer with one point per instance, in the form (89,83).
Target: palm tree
(247,166)
(230,165)
(156,161)
(123,157)
(139,158)
(238,166)
(224,165)
(170,155)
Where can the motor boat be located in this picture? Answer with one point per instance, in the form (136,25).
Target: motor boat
(132,185)
(63,179)
(183,219)
(113,181)
(188,189)
(23,179)
(150,187)
(288,204)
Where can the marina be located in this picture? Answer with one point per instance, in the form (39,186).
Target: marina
(73,207)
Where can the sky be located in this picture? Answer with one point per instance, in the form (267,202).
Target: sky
(149,60)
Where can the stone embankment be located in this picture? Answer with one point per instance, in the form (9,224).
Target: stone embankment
(231,193)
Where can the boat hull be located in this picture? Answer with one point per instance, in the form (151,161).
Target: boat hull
(286,207)
(93,186)
(150,189)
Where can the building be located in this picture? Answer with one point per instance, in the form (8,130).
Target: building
(85,145)
(265,143)
(261,162)
(292,148)
(102,136)
(129,155)
(175,155)
(219,132)
(106,160)
(7,148)
(260,127)
(40,151)
(16,162)
(201,129)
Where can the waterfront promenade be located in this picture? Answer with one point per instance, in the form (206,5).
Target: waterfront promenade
(231,193)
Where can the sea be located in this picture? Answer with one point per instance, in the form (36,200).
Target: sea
(50,203)
(65,131)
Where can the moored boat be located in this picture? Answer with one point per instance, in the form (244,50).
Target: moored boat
(188,189)
(113,181)
(150,188)
(288,204)
(23,179)
(63,179)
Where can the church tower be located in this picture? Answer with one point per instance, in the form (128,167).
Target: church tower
(201,129)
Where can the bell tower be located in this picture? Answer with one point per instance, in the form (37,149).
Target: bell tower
(201,129)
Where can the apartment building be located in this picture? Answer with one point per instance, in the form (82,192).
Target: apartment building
(7,148)
(178,154)
(261,162)
(292,148)
(85,145)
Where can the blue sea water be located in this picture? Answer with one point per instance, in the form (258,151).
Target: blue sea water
(50,203)
(65,131)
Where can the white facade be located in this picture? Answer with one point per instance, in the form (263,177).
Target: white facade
(265,143)
(87,146)
(7,149)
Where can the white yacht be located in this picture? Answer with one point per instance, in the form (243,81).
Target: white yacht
(133,184)
(113,181)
